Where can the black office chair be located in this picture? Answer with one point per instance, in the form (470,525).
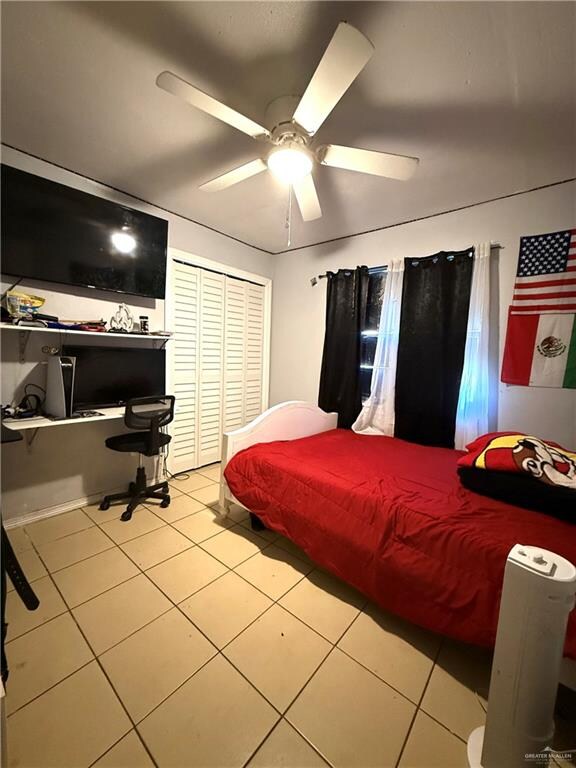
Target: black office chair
(150,414)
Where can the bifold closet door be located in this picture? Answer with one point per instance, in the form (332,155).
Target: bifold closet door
(234,354)
(183,354)
(211,366)
(216,361)
(254,354)
(243,353)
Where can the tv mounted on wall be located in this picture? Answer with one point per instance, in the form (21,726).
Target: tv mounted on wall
(56,233)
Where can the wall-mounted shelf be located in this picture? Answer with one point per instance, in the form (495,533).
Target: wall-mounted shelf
(66,331)
(31,426)
(39,422)
(24,332)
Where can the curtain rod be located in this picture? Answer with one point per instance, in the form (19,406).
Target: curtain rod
(314,280)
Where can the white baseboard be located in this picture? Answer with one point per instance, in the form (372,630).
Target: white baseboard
(66,506)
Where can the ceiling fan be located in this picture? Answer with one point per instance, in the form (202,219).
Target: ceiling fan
(294,121)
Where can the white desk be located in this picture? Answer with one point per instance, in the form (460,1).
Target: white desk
(39,422)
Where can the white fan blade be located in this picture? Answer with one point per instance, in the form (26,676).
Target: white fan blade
(233,177)
(368,161)
(178,87)
(346,56)
(307,198)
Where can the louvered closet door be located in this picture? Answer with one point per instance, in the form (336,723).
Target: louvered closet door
(216,359)
(234,354)
(254,351)
(211,365)
(184,363)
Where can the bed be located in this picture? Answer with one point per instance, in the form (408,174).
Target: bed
(389,517)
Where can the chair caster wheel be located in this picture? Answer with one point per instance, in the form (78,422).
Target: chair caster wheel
(165,502)
(126,515)
(166,488)
(104,505)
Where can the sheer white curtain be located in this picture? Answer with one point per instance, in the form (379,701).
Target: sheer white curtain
(473,402)
(377,415)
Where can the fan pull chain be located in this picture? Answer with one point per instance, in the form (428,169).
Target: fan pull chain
(288,223)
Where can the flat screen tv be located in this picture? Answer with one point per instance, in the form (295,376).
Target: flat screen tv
(56,233)
(108,376)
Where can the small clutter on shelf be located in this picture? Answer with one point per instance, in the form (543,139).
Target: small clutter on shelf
(79,325)
(122,320)
(21,310)
(23,304)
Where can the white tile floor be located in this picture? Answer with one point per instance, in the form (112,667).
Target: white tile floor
(181,640)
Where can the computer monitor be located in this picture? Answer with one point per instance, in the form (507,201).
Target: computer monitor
(109,376)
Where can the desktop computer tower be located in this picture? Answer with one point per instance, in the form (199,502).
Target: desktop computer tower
(60,386)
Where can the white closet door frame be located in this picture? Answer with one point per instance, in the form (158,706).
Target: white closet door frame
(225,269)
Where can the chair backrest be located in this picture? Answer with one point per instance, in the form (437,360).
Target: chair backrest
(150,413)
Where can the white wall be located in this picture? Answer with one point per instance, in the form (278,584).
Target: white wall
(67,463)
(298,310)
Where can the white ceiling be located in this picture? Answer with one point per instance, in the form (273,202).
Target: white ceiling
(482,92)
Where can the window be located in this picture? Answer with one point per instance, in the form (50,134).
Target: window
(376,283)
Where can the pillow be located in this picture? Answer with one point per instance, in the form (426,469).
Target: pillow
(524,455)
(522,490)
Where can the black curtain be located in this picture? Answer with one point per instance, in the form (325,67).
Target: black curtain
(434,316)
(345,312)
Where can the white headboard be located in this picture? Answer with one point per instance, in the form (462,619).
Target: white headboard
(285,421)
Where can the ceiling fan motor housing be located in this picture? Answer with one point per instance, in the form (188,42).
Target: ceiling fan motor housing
(279,113)
(285,134)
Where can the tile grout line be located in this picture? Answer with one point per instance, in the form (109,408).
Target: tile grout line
(100,665)
(135,724)
(94,525)
(413,720)
(336,647)
(369,671)
(96,657)
(140,739)
(274,602)
(219,651)
(269,734)
(193,544)
(432,717)
(70,610)
(51,687)
(381,679)
(66,677)
(118,546)
(50,574)
(82,508)
(142,572)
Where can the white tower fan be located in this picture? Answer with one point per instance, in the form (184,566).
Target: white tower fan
(537,597)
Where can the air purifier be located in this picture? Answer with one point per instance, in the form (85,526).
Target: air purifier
(537,597)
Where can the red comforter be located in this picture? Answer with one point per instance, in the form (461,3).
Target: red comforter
(391,518)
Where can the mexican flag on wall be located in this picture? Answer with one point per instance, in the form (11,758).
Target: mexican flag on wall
(540,348)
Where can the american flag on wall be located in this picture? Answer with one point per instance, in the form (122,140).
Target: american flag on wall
(540,348)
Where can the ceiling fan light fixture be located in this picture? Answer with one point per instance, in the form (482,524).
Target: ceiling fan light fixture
(290,164)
